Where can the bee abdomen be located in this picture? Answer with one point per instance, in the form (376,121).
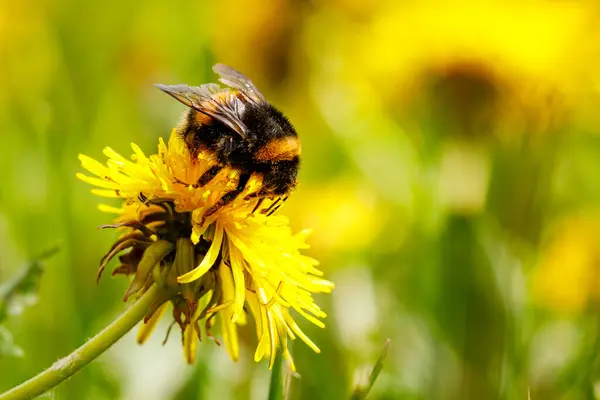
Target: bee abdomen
(281,149)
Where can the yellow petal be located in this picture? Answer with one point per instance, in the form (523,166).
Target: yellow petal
(264,339)
(98,182)
(274,339)
(228,328)
(290,321)
(92,165)
(288,357)
(148,327)
(237,269)
(110,209)
(139,154)
(113,155)
(253,305)
(105,193)
(208,260)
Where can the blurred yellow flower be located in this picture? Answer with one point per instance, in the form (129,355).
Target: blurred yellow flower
(533,58)
(533,37)
(269,34)
(234,261)
(24,25)
(331,206)
(568,276)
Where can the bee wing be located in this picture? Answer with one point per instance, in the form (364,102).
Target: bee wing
(235,79)
(210,99)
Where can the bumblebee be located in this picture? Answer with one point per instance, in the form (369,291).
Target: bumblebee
(243,131)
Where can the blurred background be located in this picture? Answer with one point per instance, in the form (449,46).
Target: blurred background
(450,153)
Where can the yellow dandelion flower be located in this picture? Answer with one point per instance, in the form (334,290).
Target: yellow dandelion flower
(239,260)
(566,279)
(485,64)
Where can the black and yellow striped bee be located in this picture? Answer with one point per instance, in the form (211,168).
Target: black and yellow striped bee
(243,131)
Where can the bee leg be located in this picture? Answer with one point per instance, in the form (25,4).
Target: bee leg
(251,195)
(165,204)
(227,197)
(272,209)
(258,203)
(273,205)
(208,175)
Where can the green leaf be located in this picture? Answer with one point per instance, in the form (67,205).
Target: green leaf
(19,292)
(8,348)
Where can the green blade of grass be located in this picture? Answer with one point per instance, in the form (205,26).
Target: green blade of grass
(361,391)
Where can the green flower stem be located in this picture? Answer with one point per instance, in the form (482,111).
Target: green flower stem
(276,385)
(69,365)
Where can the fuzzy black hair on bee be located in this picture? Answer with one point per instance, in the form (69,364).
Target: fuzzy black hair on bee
(243,131)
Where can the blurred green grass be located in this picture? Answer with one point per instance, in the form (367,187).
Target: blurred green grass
(449,171)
